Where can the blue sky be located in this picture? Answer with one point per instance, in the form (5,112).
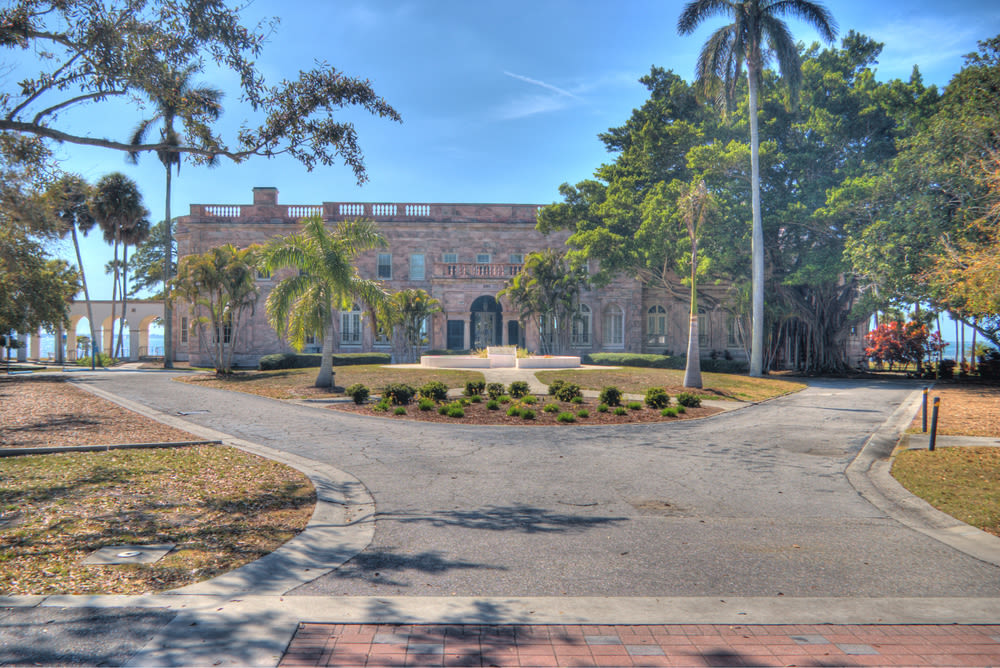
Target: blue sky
(501,101)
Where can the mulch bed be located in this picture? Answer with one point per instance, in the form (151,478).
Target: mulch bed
(479,414)
(44,410)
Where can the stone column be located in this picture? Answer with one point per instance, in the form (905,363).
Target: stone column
(22,352)
(36,345)
(133,345)
(60,350)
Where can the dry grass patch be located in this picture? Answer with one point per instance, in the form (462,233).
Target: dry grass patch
(965,410)
(636,380)
(298,383)
(222,507)
(963,482)
(45,410)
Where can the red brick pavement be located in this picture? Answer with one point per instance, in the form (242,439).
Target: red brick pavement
(645,645)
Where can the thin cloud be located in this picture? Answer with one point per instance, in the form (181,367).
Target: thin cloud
(536,82)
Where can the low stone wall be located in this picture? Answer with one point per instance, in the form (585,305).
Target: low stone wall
(555,362)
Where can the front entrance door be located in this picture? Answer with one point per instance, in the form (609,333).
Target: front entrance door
(486,323)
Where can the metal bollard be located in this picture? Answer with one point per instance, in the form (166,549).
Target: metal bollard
(924,413)
(934,414)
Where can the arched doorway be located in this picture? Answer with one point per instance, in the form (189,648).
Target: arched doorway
(486,323)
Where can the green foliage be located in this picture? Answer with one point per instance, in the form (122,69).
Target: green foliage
(358,392)
(493,405)
(400,394)
(518,389)
(434,389)
(474,387)
(689,400)
(529,399)
(443,409)
(583,413)
(565,418)
(456,411)
(426,404)
(103,359)
(633,406)
(602,408)
(494,390)
(408,319)
(475,398)
(669,412)
(551,408)
(576,400)
(657,397)
(564,391)
(382,406)
(400,410)
(504,399)
(304,361)
(611,396)
(527,414)
(620,410)
(513,410)
(634,359)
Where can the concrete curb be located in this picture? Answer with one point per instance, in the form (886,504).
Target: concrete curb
(341,526)
(870,474)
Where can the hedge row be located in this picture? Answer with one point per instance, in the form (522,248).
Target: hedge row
(302,361)
(662,362)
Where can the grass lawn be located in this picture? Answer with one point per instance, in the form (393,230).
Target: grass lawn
(963,482)
(637,380)
(298,383)
(221,506)
(965,410)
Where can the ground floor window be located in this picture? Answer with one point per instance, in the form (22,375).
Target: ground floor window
(580,329)
(656,326)
(614,326)
(350,326)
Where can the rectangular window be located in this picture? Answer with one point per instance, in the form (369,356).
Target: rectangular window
(310,340)
(732,335)
(614,327)
(381,337)
(517,258)
(704,335)
(483,258)
(417,267)
(184,329)
(516,262)
(450,258)
(350,328)
(384,270)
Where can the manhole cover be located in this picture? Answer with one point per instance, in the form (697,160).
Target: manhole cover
(129,554)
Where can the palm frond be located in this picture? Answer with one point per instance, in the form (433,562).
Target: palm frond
(813,13)
(697,11)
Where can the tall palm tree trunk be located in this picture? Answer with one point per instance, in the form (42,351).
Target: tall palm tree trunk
(692,370)
(168,310)
(114,302)
(325,376)
(94,347)
(124,295)
(757,239)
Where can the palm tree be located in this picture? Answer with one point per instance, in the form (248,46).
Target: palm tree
(175,98)
(72,209)
(412,308)
(696,205)
(755,34)
(134,235)
(304,304)
(117,206)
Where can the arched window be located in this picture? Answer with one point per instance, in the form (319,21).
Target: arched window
(614,326)
(704,329)
(580,330)
(350,326)
(656,326)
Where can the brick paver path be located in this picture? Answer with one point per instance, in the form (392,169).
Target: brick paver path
(624,645)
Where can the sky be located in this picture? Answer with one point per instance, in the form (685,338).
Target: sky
(501,101)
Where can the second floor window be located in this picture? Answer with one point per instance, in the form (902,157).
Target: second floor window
(384,268)
(417,267)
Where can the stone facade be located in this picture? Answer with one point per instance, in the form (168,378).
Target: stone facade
(462,254)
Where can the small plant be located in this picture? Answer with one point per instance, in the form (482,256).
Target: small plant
(681,409)
(620,410)
(566,418)
(475,398)
(504,399)
(400,410)
(435,390)
(358,392)
(455,411)
(399,394)
(527,414)
(583,413)
(657,397)
(529,399)
(689,400)
(633,406)
(518,389)
(567,391)
(555,386)
(443,409)
(493,405)
(551,408)
(576,400)
(382,406)
(670,411)
(474,387)
(602,408)
(611,396)
(513,411)
(494,390)
(425,404)
(463,402)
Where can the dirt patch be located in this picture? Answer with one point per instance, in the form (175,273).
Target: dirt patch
(43,411)
(965,410)
(480,414)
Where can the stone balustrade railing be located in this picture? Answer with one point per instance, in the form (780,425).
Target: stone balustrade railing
(379,212)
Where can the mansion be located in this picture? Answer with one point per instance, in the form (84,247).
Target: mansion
(462,255)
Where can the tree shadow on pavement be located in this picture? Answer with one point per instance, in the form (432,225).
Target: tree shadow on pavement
(519,518)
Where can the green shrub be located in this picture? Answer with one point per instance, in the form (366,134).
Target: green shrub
(513,411)
(529,399)
(434,389)
(382,406)
(400,394)
(518,389)
(634,405)
(400,410)
(527,414)
(565,417)
(663,362)
(657,397)
(425,404)
(576,400)
(474,387)
(358,392)
(443,409)
(681,409)
(303,361)
(494,390)
(583,413)
(689,400)
(669,412)
(493,405)
(504,399)
(555,386)
(103,359)
(602,408)
(456,412)
(611,396)
(566,392)
(462,401)
(551,408)
(620,410)
(475,398)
